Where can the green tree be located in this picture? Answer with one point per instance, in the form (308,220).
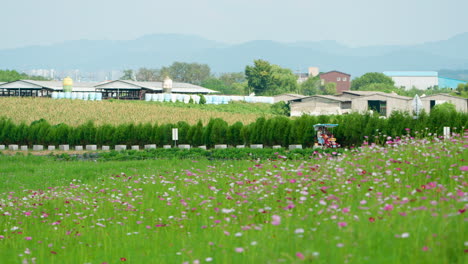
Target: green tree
(259,77)
(12,75)
(127,75)
(194,73)
(311,86)
(266,79)
(329,88)
(371,78)
(148,75)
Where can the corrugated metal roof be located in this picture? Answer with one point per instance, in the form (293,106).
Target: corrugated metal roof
(442,94)
(332,97)
(411,73)
(177,87)
(368,93)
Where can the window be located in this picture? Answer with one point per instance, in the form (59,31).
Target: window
(378,106)
(338,79)
(344,79)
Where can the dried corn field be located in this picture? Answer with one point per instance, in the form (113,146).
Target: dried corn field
(76,112)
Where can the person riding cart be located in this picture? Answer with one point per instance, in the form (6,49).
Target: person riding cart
(325,138)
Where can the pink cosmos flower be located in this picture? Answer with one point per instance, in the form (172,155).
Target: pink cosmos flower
(388,207)
(239,250)
(300,255)
(464,168)
(342,224)
(276,220)
(28,238)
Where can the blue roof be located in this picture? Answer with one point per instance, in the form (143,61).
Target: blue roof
(326,125)
(449,82)
(411,73)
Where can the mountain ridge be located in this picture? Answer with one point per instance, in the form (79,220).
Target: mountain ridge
(157,50)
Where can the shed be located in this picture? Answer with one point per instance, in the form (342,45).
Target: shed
(320,105)
(429,101)
(383,103)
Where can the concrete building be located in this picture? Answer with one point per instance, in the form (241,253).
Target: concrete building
(311,72)
(449,83)
(429,101)
(342,80)
(421,80)
(382,103)
(320,105)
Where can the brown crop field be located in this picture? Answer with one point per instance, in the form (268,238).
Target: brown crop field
(76,112)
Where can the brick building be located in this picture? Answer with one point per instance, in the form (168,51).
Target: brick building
(342,80)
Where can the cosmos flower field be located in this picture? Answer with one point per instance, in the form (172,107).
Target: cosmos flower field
(402,203)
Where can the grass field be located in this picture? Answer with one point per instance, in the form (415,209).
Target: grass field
(402,204)
(76,112)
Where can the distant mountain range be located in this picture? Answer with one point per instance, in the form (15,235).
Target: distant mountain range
(158,50)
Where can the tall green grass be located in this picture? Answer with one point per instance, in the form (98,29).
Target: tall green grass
(400,204)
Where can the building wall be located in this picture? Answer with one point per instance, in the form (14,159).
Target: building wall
(360,104)
(343,81)
(313,71)
(461,104)
(316,106)
(420,82)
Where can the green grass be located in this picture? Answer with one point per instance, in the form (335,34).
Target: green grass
(176,211)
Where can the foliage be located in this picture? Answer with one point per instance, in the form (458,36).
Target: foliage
(202,99)
(127,75)
(12,75)
(353,129)
(266,79)
(330,88)
(194,73)
(227,83)
(281,108)
(311,86)
(399,204)
(371,78)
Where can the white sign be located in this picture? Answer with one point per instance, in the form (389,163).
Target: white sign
(175,134)
(446,132)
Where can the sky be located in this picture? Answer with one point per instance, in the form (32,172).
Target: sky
(350,22)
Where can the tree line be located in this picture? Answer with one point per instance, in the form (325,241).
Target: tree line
(12,75)
(353,129)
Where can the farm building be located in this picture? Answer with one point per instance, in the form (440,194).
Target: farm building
(382,103)
(342,80)
(287,97)
(359,101)
(421,80)
(40,88)
(320,105)
(124,89)
(429,101)
(113,89)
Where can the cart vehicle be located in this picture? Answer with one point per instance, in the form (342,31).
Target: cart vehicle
(325,137)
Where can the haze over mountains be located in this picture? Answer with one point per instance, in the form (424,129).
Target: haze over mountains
(158,50)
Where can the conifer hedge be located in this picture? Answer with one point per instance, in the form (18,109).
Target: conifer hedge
(353,129)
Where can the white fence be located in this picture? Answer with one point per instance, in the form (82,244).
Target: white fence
(77,96)
(210,99)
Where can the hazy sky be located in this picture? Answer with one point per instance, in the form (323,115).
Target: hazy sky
(352,22)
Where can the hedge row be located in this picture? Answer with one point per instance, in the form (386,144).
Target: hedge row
(353,129)
(197,153)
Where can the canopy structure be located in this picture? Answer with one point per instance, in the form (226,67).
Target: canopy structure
(317,126)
